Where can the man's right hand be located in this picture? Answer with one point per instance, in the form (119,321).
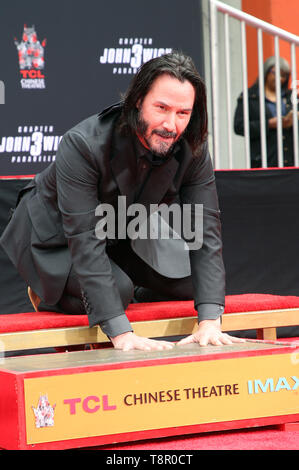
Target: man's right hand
(129,341)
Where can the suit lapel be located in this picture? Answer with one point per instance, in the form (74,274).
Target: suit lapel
(158,183)
(124,166)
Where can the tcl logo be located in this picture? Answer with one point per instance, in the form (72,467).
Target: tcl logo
(31,74)
(89,404)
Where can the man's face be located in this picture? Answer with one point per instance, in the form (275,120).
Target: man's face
(165,113)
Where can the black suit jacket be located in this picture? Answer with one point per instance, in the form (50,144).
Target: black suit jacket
(53,226)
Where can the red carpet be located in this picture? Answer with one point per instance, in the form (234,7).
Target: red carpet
(146,311)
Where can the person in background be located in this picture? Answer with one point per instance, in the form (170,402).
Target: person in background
(270,116)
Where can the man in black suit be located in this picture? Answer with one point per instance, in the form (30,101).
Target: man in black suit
(150,149)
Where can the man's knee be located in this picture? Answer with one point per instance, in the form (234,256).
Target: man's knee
(126,290)
(124,284)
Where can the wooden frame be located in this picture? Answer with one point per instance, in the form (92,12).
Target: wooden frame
(264,322)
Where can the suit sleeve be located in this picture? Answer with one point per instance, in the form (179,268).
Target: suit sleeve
(77,192)
(207,267)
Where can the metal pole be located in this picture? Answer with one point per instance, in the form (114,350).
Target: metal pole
(262,98)
(215,85)
(278,103)
(295,104)
(256,22)
(228,90)
(245,95)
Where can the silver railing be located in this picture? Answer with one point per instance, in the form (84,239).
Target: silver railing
(227,11)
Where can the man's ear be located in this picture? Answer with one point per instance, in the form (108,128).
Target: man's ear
(138,104)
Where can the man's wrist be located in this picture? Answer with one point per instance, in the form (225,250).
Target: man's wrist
(116,326)
(209,311)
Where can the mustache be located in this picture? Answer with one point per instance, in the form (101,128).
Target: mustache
(165,134)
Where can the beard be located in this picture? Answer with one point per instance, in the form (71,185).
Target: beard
(158,147)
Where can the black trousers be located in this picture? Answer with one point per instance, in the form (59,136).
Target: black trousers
(136,281)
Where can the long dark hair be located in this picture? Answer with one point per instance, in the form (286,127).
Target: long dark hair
(177,65)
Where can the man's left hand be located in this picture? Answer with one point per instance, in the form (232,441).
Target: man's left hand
(209,332)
